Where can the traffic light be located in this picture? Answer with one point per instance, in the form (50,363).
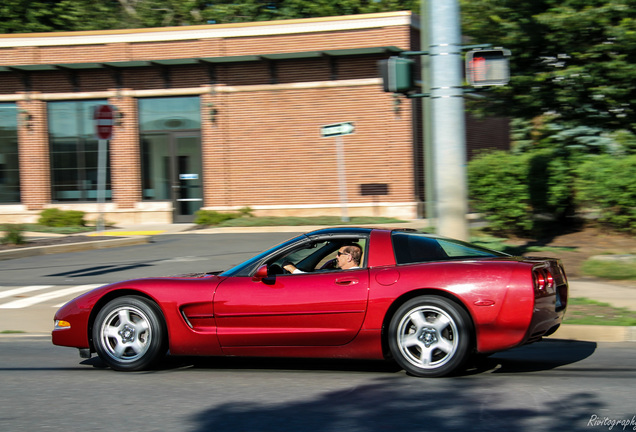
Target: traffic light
(398,74)
(488,67)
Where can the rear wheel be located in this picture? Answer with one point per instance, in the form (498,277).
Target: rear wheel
(129,333)
(430,336)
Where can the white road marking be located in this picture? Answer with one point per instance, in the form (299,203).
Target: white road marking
(26,302)
(23,290)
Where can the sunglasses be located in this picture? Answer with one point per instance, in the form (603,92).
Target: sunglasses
(343,253)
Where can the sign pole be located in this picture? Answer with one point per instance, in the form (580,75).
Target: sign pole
(101,183)
(103,116)
(337,130)
(342,178)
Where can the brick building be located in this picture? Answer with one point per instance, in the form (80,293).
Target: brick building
(217,117)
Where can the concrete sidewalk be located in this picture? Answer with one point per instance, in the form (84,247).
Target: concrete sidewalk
(622,295)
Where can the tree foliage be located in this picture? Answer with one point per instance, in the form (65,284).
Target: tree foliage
(25,16)
(570,58)
(29,16)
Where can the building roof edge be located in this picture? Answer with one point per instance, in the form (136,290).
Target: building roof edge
(260,28)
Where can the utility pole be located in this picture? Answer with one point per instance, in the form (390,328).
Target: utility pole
(442,25)
(427,124)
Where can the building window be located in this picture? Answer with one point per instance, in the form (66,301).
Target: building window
(170,145)
(9,161)
(74,151)
(169,113)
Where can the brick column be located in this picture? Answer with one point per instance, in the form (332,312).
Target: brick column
(33,145)
(125,157)
(217,188)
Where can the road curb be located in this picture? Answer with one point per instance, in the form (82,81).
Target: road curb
(72,247)
(596,333)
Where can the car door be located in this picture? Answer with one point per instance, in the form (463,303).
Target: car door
(309,309)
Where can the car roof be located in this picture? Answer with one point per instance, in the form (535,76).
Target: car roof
(359,230)
(339,231)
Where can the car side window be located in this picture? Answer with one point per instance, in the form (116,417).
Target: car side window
(317,256)
(417,248)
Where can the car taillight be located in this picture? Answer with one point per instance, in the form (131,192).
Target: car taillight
(543,279)
(549,279)
(539,281)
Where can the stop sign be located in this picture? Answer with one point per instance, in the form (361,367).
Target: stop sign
(103,116)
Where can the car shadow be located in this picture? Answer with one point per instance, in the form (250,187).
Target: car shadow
(400,403)
(546,355)
(541,356)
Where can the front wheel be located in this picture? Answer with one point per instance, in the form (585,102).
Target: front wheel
(430,336)
(129,333)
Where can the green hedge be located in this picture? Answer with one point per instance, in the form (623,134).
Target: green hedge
(518,193)
(211,217)
(61,218)
(13,234)
(498,188)
(608,184)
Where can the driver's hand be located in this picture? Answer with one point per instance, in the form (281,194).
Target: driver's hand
(289,267)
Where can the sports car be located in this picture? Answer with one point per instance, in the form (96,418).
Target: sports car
(427,302)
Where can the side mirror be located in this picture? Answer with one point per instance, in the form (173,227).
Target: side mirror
(260,274)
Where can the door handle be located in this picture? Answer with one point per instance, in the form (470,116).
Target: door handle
(346,281)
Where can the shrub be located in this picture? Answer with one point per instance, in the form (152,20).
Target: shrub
(606,183)
(498,188)
(551,185)
(61,218)
(246,212)
(523,193)
(14,234)
(211,217)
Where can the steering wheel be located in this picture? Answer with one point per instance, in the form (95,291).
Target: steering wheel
(329,265)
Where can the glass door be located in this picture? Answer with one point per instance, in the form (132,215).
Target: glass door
(187,182)
(172,171)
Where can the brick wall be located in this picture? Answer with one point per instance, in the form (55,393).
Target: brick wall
(271,153)
(35,183)
(125,154)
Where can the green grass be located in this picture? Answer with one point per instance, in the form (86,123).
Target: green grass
(584,311)
(299,221)
(616,270)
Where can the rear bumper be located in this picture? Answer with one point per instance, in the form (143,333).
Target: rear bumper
(548,314)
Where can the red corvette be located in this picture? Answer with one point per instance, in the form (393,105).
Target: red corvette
(427,302)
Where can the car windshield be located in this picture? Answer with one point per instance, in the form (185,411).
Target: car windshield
(247,265)
(414,248)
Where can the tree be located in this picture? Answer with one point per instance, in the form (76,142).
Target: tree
(24,16)
(572,58)
(28,16)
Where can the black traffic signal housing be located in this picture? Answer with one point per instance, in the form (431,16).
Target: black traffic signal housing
(487,67)
(398,74)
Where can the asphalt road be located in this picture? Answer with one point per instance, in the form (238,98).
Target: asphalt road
(165,255)
(552,386)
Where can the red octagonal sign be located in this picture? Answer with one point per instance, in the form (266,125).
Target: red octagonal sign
(104,121)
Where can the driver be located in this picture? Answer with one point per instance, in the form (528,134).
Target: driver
(347,258)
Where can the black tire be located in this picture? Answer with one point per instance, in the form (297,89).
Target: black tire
(430,336)
(129,333)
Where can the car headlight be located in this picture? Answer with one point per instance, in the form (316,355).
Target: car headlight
(61,325)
